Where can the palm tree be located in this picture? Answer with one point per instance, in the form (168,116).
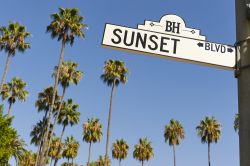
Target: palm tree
(237,122)
(18,149)
(92,132)
(68,115)
(12,38)
(65,26)
(120,150)
(114,73)
(71,149)
(209,130)
(29,159)
(43,102)
(14,90)
(103,161)
(37,134)
(53,151)
(143,151)
(67,75)
(173,134)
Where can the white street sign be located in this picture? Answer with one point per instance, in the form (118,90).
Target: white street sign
(171,39)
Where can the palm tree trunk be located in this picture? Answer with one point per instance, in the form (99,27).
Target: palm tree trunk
(72,161)
(42,157)
(64,126)
(9,109)
(89,153)
(142,163)
(209,163)
(5,71)
(39,151)
(109,121)
(59,149)
(56,118)
(120,161)
(55,162)
(174,155)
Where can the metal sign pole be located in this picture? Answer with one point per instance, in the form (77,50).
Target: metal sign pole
(243,75)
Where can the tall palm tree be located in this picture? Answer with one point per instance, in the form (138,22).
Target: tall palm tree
(71,149)
(237,123)
(115,72)
(65,26)
(13,90)
(143,151)
(12,39)
(53,151)
(92,133)
(173,134)
(120,150)
(209,130)
(68,116)
(68,74)
(43,103)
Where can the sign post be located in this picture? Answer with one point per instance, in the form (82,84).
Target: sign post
(243,51)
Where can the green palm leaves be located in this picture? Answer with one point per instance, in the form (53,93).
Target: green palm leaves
(69,114)
(209,131)
(29,159)
(12,38)
(114,72)
(143,151)
(173,133)
(68,74)
(120,150)
(55,146)
(66,25)
(14,90)
(92,132)
(71,149)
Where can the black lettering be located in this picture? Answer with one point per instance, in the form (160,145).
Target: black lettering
(175,45)
(131,39)
(151,38)
(212,48)
(168,26)
(117,35)
(217,47)
(163,43)
(141,39)
(207,46)
(223,49)
(173,27)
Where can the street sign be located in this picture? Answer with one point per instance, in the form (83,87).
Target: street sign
(170,38)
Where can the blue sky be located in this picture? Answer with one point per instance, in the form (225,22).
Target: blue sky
(157,89)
